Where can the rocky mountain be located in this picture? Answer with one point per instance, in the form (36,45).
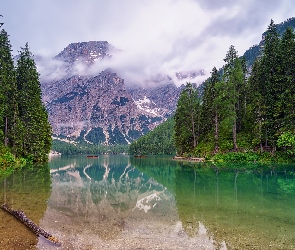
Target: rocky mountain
(87,51)
(100,109)
(252,53)
(160,101)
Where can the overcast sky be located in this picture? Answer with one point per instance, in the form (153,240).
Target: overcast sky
(156,36)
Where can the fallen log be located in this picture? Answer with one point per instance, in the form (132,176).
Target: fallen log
(20,215)
(189,159)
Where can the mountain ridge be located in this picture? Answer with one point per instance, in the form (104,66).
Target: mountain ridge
(100,109)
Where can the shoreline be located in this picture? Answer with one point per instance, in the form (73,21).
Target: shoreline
(189,159)
(53,153)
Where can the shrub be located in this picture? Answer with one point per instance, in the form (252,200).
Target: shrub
(7,160)
(236,157)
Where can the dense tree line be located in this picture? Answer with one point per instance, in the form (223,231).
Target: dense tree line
(157,141)
(24,127)
(86,148)
(240,110)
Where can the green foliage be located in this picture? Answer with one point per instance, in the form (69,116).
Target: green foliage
(225,145)
(24,126)
(286,185)
(33,128)
(245,141)
(269,84)
(204,149)
(7,161)
(244,119)
(8,105)
(187,120)
(287,141)
(158,141)
(210,109)
(232,94)
(80,148)
(236,157)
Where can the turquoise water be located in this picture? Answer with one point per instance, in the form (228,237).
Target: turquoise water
(122,202)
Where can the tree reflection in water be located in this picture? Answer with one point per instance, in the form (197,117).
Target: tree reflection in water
(26,189)
(99,203)
(242,209)
(119,201)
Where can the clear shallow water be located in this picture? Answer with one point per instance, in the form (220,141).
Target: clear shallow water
(122,202)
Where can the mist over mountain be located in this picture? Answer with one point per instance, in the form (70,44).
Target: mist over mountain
(89,102)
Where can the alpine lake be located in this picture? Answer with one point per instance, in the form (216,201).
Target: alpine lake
(123,202)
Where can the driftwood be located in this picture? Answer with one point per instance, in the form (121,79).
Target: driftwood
(20,215)
(189,159)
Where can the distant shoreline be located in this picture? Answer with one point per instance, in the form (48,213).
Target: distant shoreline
(53,153)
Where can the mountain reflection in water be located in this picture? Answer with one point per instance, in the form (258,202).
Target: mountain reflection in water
(122,202)
(107,202)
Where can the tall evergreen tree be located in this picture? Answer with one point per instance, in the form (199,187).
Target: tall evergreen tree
(187,120)
(231,90)
(285,113)
(270,64)
(210,108)
(256,105)
(262,107)
(34,131)
(7,90)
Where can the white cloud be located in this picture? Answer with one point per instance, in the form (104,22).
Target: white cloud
(155,36)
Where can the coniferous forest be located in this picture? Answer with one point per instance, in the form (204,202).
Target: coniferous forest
(25,132)
(243,113)
(158,141)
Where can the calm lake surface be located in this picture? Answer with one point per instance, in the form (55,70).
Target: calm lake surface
(122,202)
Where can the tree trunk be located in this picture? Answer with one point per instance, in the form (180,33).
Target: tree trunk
(266,139)
(235,136)
(193,129)
(260,130)
(5,133)
(20,215)
(216,146)
(235,130)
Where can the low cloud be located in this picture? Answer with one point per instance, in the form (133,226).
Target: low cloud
(50,69)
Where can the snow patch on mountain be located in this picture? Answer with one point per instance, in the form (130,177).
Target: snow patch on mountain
(147,105)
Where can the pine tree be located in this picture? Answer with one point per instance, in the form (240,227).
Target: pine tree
(285,112)
(187,120)
(210,108)
(231,90)
(242,97)
(8,89)
(33,129)
(256,106)
(270,64)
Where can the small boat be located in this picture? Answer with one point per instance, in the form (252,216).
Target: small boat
(140,156)
(92,156)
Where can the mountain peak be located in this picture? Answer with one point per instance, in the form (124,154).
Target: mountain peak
(89,52)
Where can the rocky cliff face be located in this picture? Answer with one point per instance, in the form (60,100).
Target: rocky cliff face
(100,109)
(160,100)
